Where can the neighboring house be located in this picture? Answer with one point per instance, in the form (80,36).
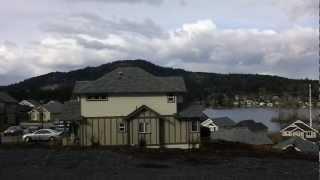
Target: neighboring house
(47,112)
(253,126)
(8,108)
(214,123)
(29,102)
(300,129)
(130,106)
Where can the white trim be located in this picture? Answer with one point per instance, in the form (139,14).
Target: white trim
(182,146)
(294,125)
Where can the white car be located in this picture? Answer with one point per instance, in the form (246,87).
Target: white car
(42,135)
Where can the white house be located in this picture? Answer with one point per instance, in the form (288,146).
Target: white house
(214,123)
(300,129)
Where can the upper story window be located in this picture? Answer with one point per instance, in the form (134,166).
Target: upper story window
(171,99)
(98,98)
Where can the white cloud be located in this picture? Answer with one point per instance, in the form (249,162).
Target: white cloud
(198,46)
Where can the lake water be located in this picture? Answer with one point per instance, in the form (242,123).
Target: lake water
(263,115)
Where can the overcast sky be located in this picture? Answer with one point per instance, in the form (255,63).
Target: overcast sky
(277,37)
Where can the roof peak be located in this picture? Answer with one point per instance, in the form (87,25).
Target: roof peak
(131,79)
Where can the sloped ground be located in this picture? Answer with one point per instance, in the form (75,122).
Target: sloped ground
(121,163)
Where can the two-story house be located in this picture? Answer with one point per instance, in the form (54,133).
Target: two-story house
(130,106)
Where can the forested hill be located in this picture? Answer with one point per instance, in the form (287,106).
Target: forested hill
(59,85)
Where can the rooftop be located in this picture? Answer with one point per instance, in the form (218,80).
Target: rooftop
(131,80)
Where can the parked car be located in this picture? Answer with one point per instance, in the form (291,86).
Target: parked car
(13,131)
(42,135)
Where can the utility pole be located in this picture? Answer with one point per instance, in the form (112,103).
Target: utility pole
(310,106)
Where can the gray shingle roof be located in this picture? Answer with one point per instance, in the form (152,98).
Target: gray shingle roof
(71,111)
(192,111)
(241,135)
(252,125)
(130,80)
(303,145)
(5,97)
(223,122)
(54,107)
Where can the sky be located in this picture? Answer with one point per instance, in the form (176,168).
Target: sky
(275,37)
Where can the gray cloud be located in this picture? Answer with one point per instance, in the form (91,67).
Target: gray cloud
(151,2)
(198,46)
(97,26)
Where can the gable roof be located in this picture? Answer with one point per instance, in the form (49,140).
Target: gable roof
(139,110)
(54,107)
(130,80)
(301,125)
(5,97)
(192,111)
(252,125)
(223,122)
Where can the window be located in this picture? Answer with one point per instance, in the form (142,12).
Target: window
(122,127)
(97,98)
(194,126)
(171,99)
(42,132)
(143,128)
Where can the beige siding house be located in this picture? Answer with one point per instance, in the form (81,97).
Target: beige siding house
(130,106)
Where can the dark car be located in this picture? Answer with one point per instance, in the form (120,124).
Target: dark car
(13,131)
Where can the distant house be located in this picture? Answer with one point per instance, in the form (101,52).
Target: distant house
(29,102)
(214,123)
(8,108)
(300,129)
(47,112)
(130,106)
(253,126)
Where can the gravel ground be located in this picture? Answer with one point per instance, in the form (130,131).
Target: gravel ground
(45,163)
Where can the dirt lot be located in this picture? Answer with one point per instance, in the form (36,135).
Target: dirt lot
(117,163)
